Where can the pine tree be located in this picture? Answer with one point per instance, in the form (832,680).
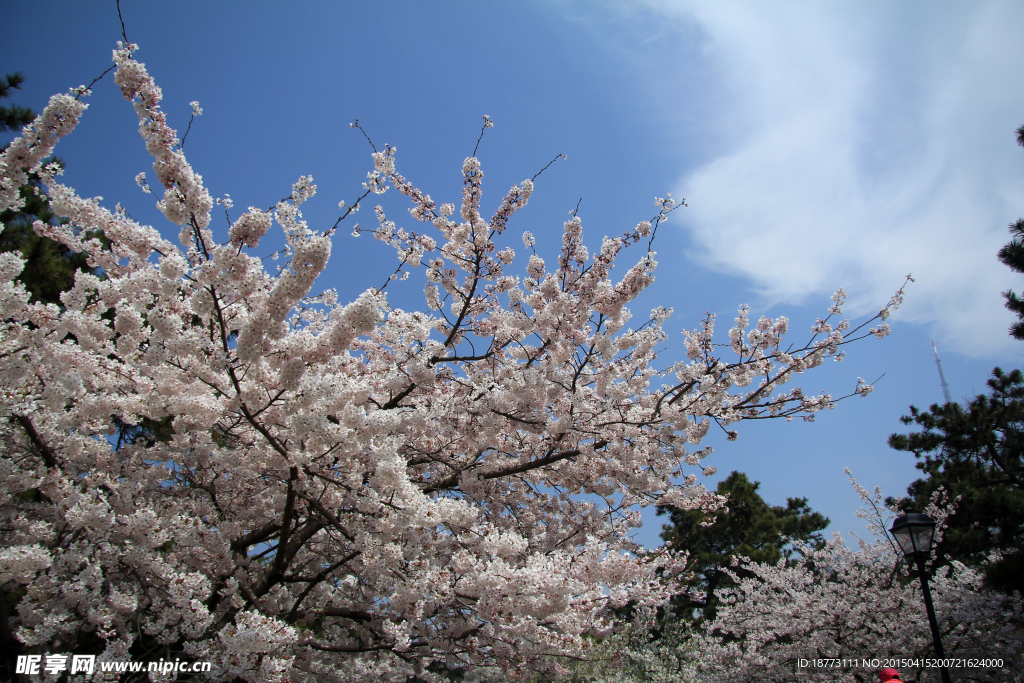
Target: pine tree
(12,116)
(1012,255)
(975,451)
(750,528)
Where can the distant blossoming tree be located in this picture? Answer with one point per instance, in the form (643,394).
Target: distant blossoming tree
(844,606)
(345,492)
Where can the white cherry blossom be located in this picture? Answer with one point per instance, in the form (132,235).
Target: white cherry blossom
(346,492)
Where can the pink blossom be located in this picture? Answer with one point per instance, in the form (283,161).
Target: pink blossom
(348,490)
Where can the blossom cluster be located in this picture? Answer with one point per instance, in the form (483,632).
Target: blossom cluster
(355,492)
(835,614)
(855,604)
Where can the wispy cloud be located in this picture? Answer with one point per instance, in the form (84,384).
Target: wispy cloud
(856,143)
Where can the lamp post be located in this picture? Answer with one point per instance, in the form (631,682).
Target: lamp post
(914,531)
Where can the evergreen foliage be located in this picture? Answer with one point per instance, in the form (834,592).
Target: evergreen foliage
(975,452)
(1012,255)
(13,117)
(749,528)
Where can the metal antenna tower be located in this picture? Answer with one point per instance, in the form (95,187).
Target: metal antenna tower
(942,376)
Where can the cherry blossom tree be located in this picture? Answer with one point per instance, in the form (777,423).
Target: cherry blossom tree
(347,492)
(840,606)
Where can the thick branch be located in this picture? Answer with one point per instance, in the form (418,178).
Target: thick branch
(277,567)
(48,455)
(453,479)
(239,545)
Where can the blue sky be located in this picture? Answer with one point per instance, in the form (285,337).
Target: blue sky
(818,145)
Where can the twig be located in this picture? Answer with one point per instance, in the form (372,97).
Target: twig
(181,145)
(123,34)
(82,91)
(355,124)
(487,124)
(560,156)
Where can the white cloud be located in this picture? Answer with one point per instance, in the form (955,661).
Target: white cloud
(857,143)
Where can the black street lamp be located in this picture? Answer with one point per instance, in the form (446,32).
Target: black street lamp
(914,531)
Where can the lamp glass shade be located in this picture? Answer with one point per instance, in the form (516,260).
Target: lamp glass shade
(914,532)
